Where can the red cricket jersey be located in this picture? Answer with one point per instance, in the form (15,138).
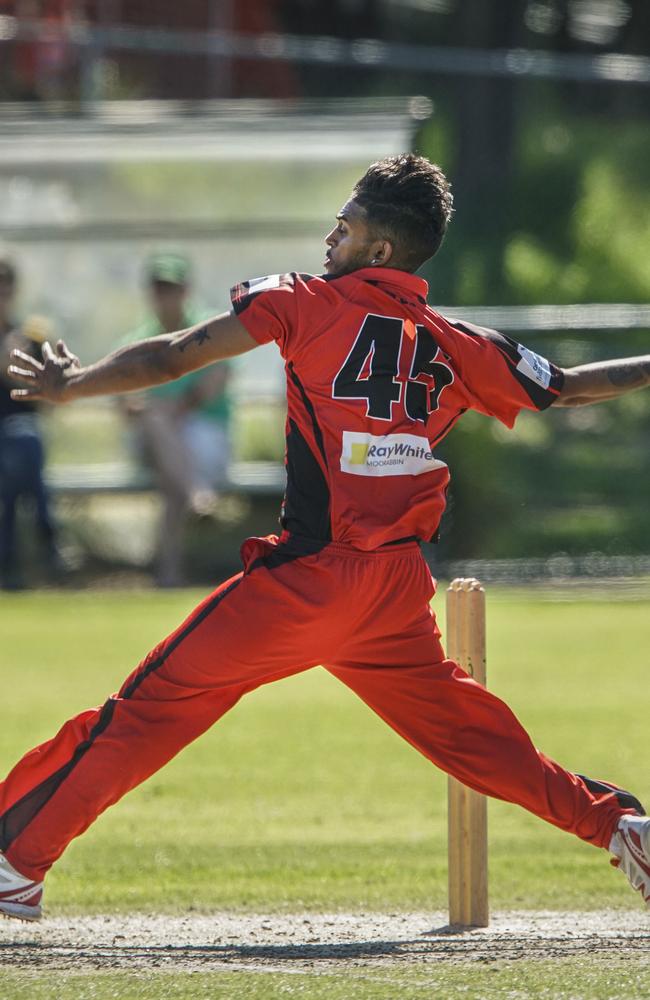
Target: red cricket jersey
(375,380)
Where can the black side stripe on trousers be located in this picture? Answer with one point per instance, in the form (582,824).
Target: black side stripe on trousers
(288,552)
(155,664)
(22,812)
(16,818)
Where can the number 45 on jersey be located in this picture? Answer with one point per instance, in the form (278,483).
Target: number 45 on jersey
(373,370)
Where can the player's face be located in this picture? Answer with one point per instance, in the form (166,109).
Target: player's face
(350,245)
(167,300)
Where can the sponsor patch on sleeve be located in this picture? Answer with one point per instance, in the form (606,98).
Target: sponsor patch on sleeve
(534,367)
(264,284)
(246,292)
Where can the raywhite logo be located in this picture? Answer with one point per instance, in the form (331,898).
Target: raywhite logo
(535,367)
(387,455)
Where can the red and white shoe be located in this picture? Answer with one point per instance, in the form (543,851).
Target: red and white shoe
(631,849)
(20,897)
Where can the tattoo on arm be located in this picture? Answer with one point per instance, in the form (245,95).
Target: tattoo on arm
(199,338)
(629,374)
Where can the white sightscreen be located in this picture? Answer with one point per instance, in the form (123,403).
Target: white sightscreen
(243,189)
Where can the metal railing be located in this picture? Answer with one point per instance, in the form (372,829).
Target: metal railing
(365,53)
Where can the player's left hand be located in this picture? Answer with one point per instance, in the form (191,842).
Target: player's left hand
(44,380)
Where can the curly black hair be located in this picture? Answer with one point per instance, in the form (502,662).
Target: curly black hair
(407,201)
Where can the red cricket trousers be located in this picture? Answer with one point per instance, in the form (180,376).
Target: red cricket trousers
(366,617)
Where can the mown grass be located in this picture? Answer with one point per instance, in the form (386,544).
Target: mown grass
(568,979)
(300,798)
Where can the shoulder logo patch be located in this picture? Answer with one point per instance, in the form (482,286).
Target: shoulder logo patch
(534,367)
(264,284)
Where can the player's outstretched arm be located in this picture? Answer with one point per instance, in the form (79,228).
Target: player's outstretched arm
(60,378)
(603,380)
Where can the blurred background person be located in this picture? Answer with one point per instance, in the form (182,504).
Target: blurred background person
(22,454)
(182,429)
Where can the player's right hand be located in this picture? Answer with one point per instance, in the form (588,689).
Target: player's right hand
(46,380)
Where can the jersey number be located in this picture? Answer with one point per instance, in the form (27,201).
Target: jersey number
(371,371)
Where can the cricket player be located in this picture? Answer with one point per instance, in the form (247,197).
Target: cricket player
(375,379)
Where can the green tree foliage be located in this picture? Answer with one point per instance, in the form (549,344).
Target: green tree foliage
(574,227)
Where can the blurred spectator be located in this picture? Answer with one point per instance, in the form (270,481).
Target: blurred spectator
(45,67)
(182,427)
(21,445)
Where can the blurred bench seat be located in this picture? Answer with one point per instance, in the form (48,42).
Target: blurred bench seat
(254,478)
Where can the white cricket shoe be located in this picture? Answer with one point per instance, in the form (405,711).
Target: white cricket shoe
(19,896)
(630,846)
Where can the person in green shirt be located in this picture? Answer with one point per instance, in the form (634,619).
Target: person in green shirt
(182,427)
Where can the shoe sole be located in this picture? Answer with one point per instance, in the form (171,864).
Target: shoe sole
(15,911)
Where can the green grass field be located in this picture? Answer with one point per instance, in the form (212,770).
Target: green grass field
(569,980)
(300,798)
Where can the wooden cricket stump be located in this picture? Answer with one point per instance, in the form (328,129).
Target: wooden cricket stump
(467,809)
